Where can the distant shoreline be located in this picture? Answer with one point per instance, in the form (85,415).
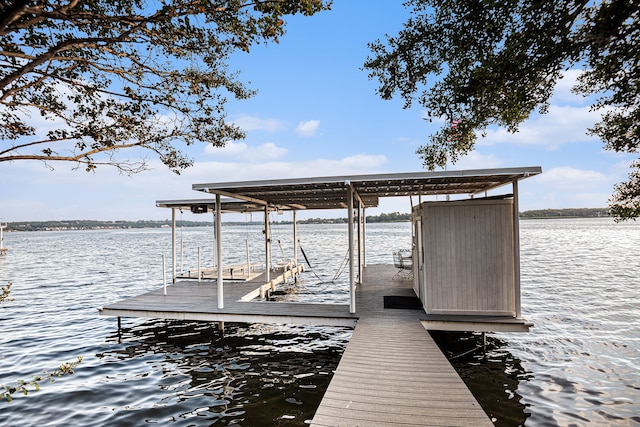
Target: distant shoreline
(71,225)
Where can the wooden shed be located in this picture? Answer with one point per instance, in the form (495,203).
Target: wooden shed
(467,265)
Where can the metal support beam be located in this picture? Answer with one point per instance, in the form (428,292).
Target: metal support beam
(173,245)
(516,249)
(220,280)
(267,244)
(215,238)
(352,282)
(295,238)
(364,236)
(359,234)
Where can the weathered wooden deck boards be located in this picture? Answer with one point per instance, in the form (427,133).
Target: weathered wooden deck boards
(190,300)
(392,372)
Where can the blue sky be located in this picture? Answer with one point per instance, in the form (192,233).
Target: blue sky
(317,114)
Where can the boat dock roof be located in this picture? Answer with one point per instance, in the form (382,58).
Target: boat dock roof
(330,192)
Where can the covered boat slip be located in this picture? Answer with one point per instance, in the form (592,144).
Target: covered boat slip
(198,300)
(465,276)
(465,252)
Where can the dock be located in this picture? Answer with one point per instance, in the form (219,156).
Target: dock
(463,275)
(198,300)
(392,372)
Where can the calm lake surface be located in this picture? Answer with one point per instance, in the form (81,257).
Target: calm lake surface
(578,366)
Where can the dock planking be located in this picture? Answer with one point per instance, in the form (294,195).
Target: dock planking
(193,300)
(391,373)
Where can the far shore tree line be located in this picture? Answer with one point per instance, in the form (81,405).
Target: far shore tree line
(382,218)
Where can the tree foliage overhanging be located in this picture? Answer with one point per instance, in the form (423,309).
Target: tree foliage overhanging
(105,75)
(480,63)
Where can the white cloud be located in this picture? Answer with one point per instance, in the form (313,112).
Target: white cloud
(566,121)
(562,93)
(243,152)
(308,128)
(566,187)
(561,125)
(352,165)
(215,171)
(475,160)
(566,177)
(249,123)
(108,195)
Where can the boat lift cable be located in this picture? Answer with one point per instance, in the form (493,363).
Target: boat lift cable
(274,230)
(339,272)
(281,250)
(465,353)
(345,262)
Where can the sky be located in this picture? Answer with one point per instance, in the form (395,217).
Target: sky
(316,113)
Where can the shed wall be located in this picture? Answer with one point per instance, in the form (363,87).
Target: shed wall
(468,261)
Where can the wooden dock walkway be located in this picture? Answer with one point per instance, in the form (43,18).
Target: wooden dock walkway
(391,374)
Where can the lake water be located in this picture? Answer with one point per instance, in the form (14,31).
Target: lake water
(578,366)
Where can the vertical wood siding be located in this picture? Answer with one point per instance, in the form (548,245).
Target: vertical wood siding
(469,257)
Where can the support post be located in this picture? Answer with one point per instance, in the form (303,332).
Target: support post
(199,269)
(360,241)
(267,244)
(219,251)
(295,238)
(164,276)
(215,239)
(246,247)
(364,237)
(3,224)
(352,284)
(173,244)
(516,250)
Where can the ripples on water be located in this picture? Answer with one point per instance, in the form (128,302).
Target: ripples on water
(578,366)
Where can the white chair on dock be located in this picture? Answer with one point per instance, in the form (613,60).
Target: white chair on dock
(403,261)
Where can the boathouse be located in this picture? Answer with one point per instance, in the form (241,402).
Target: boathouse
(464,258)
(463,269)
